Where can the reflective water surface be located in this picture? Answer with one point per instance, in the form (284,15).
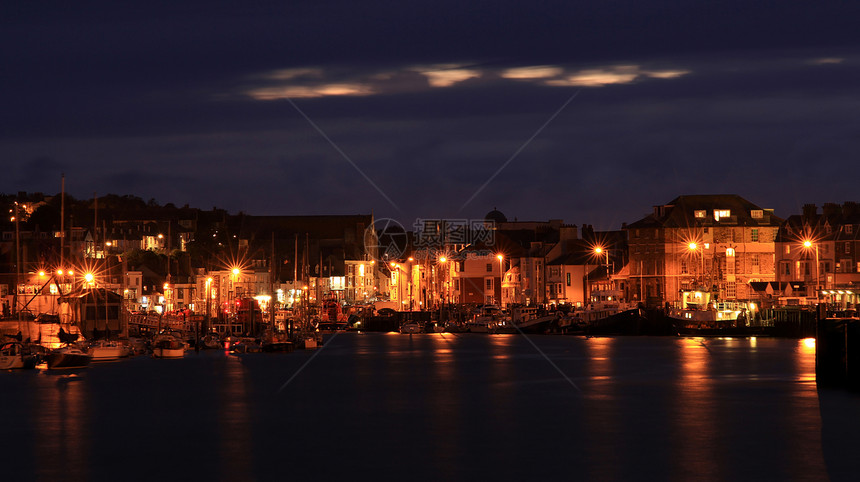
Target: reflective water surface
(440,407)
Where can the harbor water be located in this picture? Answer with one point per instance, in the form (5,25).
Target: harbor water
(374,406)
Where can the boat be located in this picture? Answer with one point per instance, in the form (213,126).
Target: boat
(15,355)
(246,345)
(168,346)
(331,317)
(104,350)
(211,341)
(485,320)
(410,328)
(699,315)
(67,357)
(531,320)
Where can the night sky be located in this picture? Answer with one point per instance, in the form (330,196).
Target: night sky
(591,112)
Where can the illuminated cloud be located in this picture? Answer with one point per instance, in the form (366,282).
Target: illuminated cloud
(304,92)
(447,76)
(533,72)
(666,74)
(619,74)
(290,74)
(827,60)
(313,82)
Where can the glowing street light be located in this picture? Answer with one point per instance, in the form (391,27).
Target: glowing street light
(807,244)
(693,247)
(501,259)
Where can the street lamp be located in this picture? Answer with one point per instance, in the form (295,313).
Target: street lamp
(208,301)
(501,259)
(809,244)
(693,247)
(444,260)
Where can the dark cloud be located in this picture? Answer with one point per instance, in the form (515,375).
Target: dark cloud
(754,99)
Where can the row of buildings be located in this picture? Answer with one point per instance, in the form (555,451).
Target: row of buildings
(168,259)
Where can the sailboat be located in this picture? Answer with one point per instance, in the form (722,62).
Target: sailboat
(14,355)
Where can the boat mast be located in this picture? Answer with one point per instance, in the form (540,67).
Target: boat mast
(62,219)
(17,266)
(95,260)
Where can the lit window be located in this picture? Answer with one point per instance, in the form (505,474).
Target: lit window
(756,214)
(754,235)
(730,251)
(699,214)
(721,213)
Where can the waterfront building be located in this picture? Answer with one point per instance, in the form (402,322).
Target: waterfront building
(720,243)
(819,250)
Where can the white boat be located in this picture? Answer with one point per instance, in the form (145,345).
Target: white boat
(13,355)
(67,357)
(698,311)
(167,346)
(103,350)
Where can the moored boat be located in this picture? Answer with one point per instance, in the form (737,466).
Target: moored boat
(532,320)
(410,328)
(67,357)
(486,320)
(103,350)
(167,346)
(14,355)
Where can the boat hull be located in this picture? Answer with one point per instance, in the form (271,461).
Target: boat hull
(538,325)
(65,359)
(410,328)
(108,353)
(13,356)
(627,322)
(161,352)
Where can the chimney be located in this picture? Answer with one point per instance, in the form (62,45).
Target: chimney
(849,209)
(567,232)
(830,210)
(810,211)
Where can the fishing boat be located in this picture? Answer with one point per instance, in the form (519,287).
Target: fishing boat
(67,357)
(485,320)
(168,346)
(14,355)
(700,315)
(532,320)
(331,317)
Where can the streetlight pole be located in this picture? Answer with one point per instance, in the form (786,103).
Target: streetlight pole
(695,247)
(809,244)
(501,259)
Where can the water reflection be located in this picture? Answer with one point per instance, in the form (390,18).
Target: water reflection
(61,426)
(235,454)
(445,409)
(601,411)
(695,424)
